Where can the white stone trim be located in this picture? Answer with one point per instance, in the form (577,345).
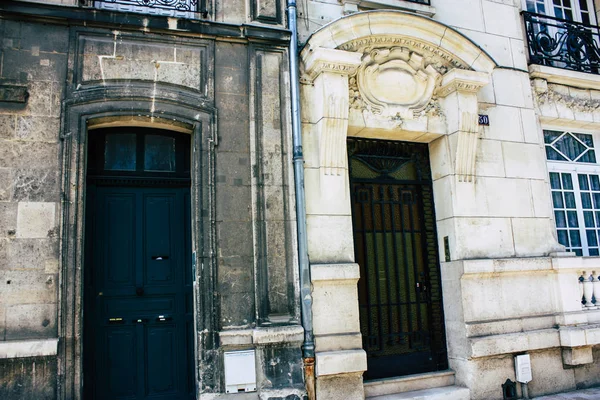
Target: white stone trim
(28,348)
(322,60)
(565,77)
(334,272)
(263,335)
(340,362)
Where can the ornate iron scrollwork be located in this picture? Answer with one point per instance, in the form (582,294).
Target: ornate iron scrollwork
(561,43)
(175,5)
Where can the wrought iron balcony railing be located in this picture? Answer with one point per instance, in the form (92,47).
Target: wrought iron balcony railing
(192,9)
(563,44)
(426,2)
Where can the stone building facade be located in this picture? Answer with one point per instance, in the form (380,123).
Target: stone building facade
(148,211)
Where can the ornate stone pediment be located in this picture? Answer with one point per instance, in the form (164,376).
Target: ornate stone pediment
(396,82)
(433,55)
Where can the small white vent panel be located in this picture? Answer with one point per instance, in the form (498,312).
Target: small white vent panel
(240,371)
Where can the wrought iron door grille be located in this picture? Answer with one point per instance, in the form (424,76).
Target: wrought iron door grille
(561,43)
(395,245)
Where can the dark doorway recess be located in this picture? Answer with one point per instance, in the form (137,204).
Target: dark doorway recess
(400,294)
(138,299)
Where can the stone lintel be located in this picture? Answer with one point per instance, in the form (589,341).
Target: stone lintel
(321,60)
(462,81)
(335,272)
(28,348)
(340,362)
(565,77)
(262,335)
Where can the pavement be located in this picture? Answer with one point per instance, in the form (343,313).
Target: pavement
(586,394)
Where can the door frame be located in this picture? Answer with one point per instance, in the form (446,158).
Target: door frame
(180,110)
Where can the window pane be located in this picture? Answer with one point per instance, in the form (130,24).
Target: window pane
(588,217)
(557,200)
(583,182)
(591,238)
(586,201)
(578,252)
(561,220)
(585,138)
(597,200)
(570,199)
(120,152)
(552,154)
(159,153)
(593,252)
(572,218)
(567,181)
(597,218)
(589,156)
(563,238)
(575,238)
(551,136)
(554,180)
(595,182)
(583,6)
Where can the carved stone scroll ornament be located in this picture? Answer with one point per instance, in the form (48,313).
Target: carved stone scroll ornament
(466,149)
(395,82)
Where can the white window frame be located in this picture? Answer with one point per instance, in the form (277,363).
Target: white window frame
(575,168)
(549,6)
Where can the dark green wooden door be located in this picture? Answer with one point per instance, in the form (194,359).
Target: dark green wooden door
(139,294)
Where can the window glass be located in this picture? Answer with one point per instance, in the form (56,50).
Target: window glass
(159,153)
(120,152)
(575,190)
(569,146)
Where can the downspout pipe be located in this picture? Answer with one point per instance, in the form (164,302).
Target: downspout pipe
(308,347)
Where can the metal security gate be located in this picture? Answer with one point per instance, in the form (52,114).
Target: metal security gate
(395,243)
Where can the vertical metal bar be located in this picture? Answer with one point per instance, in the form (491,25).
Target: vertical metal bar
(365,259)
(376,257)
(384,204)
(395,251)
(414,253)
(405,258)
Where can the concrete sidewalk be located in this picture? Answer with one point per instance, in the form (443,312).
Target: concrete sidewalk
(586,394)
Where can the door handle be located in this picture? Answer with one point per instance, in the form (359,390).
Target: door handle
(160,258)
(139,291)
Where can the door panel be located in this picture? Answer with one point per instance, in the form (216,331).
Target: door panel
(396,249)
(137,302)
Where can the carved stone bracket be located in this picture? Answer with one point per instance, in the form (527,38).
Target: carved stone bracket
(459,80)
(466,149)
(329,60)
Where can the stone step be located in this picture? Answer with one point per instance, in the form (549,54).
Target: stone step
(439,393)
(380,387)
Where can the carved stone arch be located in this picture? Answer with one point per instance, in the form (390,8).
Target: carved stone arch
(137,104)
(387,27)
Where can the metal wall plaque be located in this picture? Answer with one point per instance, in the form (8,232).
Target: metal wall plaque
(484,120)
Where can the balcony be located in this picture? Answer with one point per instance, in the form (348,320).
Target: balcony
(190,9)
(559,43)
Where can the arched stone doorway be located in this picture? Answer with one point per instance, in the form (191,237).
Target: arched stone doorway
(378,75)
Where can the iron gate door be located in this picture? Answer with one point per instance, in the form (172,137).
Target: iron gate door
(400,297)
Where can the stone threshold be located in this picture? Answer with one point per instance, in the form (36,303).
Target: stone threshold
(409,383)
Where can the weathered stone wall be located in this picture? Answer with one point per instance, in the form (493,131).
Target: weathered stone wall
(247,86)
(28,378)
(34,56)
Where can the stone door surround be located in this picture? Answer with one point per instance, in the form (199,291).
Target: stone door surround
(380,74)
